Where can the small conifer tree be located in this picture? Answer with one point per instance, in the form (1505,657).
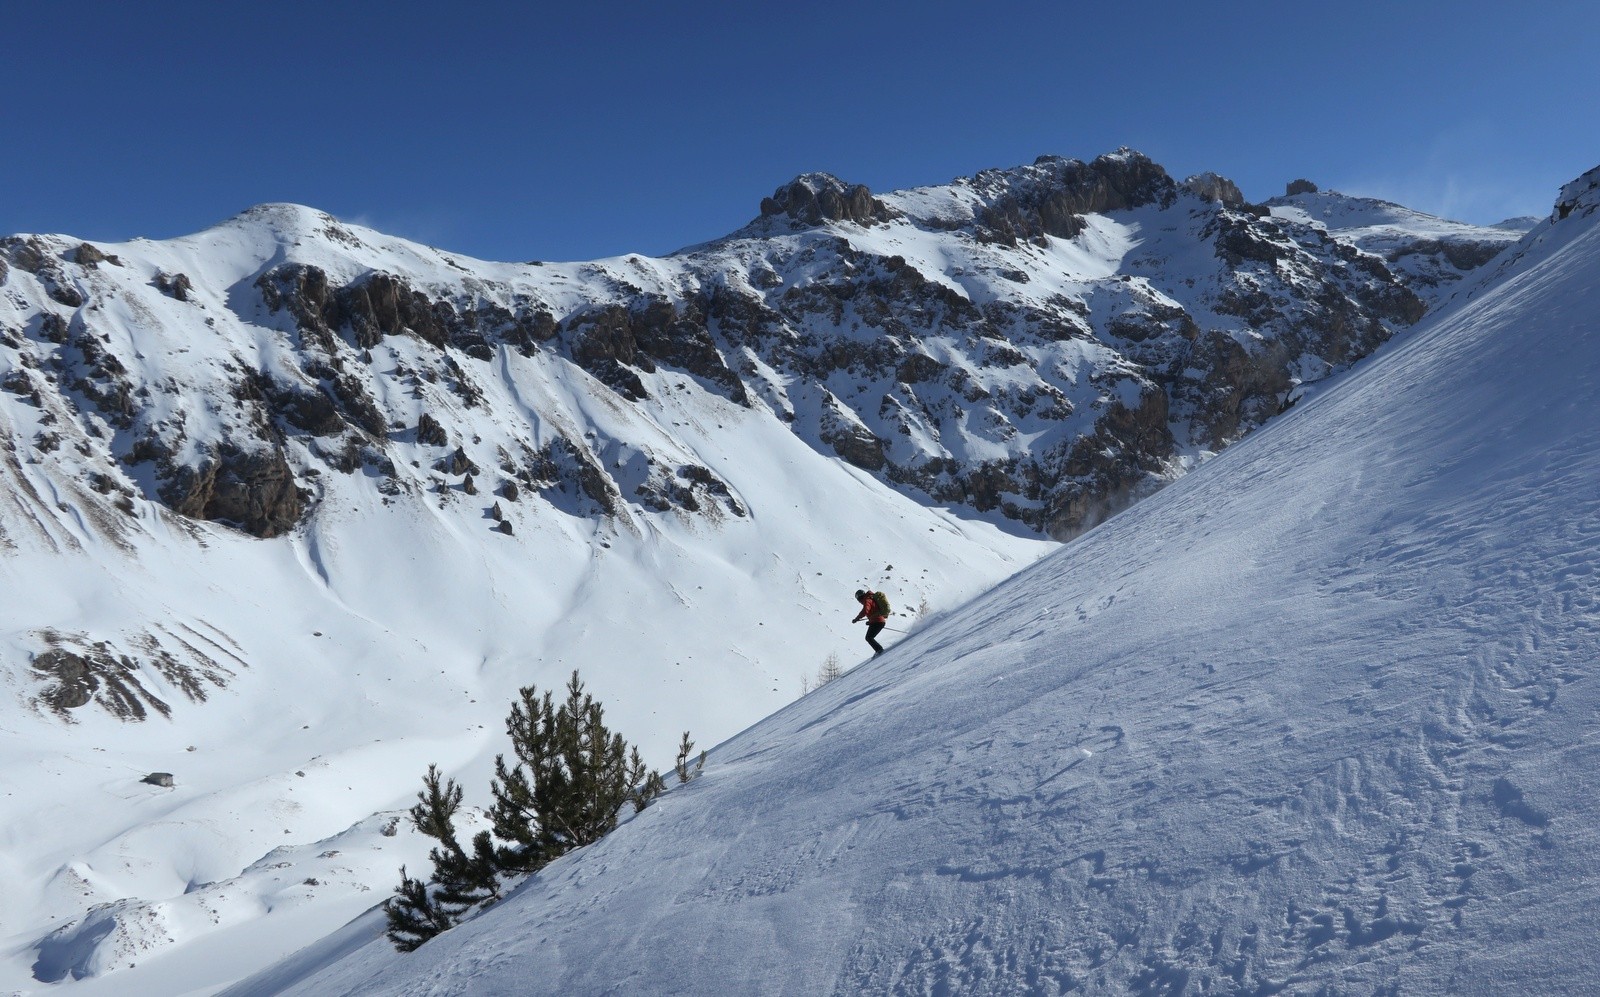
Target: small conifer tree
(464,880)
(414,916)
(566,789)
(570,781)
(684,748)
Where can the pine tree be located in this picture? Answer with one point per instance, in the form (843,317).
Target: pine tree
(414,916)
(684,748)
(464,880)
(571,778)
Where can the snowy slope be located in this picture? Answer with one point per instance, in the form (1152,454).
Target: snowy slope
(469,476)
(1318,718)
(1432,253)
(299,686)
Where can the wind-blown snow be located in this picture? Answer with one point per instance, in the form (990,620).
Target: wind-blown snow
(1317,718)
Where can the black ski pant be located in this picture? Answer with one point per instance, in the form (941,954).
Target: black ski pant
(873,630)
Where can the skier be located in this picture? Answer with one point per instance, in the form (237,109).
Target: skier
(875,610)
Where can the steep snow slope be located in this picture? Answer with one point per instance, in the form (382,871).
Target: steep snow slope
(1318,718)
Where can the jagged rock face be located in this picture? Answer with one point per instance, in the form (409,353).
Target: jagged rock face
(965,364)
(255,491)
(818,197)
(1051,197)
(1213,187)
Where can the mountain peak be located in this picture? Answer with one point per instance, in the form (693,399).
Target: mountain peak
(813,198)
(283,217)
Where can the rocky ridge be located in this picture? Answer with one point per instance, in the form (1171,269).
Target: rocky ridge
(1043,344)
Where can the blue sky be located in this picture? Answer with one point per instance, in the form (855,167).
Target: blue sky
(535,131)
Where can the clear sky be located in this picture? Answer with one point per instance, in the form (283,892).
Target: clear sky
(512,131)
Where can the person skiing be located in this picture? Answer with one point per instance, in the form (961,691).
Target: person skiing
(875,610)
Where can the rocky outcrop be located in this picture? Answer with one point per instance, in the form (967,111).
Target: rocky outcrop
(814,198)
(851,440)
(1214,187)
(430,433)
(91,256)
(177,286)
(76,672)
(33,255)
(381,304)
(254,491)
(1299,187)
(1578,196)
(1051,197)
(72,682)
(679,337)
(561,464)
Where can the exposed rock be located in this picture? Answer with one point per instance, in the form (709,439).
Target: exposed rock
(813,198)
(851,440)
(178,286)
(430,433)
(17,382)
(468,486)
(562,462)
(504,526)
(682,340)
(254,491)
(162,779)
(311,411)
(87,255)
(1461,254)
(384,305)
(1299,187)
(304,291)
(1050,198)
(457,463)
(602,342)
(29,254)
(1578,196)
(53,327)
(358,406)
(92,672)
(508,491)
(74,682)
(1213,187)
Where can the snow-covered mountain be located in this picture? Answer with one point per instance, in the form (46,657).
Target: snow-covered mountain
(1431,254)
(1318,718)
(291,507)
